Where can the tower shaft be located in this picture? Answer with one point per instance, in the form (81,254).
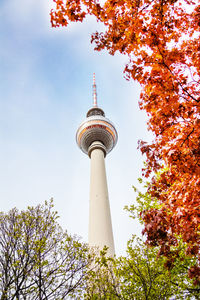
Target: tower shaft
(100,225)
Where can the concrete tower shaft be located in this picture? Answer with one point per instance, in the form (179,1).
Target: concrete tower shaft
(97,136)
(100,225)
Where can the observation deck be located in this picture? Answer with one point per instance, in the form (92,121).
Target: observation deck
(96,127)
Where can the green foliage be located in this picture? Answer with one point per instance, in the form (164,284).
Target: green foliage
(140,275)
(144,202)
(38,260)
(102,282)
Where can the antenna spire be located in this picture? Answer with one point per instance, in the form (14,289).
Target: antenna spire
(94,91)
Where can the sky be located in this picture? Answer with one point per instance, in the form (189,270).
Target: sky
(45,93)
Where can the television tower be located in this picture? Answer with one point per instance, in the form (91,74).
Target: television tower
(97,136)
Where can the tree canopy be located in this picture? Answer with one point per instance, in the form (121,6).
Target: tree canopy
(141,275)
(38,260)
(161,39)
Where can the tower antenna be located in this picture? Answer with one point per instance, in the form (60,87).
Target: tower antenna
(94,91)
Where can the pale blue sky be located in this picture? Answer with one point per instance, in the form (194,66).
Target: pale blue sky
(45,92)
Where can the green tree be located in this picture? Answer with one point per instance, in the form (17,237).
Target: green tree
(38,260)
(140,275)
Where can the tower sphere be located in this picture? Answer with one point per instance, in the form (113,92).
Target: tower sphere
(96,127)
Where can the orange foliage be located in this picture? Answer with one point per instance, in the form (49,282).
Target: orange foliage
(162,41)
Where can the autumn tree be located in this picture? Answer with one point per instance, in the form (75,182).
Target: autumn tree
(161,39)
(38,260)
